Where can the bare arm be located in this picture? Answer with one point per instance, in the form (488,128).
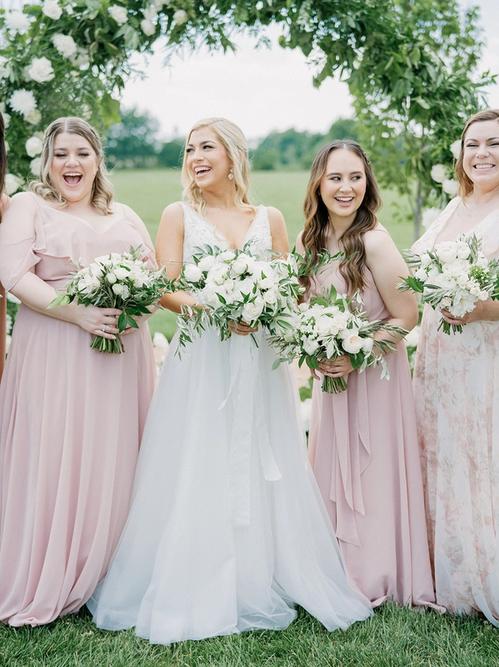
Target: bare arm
(388,269)
(17,234)
(280,242)
(170,252)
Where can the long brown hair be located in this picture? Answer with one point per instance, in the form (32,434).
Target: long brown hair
(314,236)
(3,158)
(465,183)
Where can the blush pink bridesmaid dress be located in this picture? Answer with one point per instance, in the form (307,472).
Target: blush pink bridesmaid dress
(71,420)
(364,453)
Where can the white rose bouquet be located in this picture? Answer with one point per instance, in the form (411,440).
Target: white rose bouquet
(237,286)
(328,327)
(454,275)
(122,281)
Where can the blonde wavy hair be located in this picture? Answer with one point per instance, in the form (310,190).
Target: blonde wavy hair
(102,191)
(465,182)
(236,146)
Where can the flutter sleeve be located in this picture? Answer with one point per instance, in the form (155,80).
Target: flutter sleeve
(18,239)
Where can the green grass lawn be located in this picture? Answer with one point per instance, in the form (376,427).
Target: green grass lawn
(148,192)
(392,638)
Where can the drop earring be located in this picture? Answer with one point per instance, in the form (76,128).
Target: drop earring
(230,175)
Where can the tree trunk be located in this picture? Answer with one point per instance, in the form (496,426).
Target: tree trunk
(418,211)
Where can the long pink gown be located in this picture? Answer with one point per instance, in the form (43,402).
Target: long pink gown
(71,420)
(456,384)
(365,456)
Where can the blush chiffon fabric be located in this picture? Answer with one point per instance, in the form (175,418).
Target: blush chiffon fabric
(71,420)
(365,456)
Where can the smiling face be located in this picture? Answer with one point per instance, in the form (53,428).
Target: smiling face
(343,185)
(481,154)
(206,159)
(73,167)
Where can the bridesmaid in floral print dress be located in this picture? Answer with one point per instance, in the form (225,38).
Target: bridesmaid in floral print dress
(456,385)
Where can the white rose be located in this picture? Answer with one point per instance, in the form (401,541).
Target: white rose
(12,183)
(40,70)
(111,278)
(439,173)
(180,17)
(206,262)
(353,343)
(240,264)
(17,22)
(51,9)
(455,149)
(121,273)
(23,101)
(217,274)
(420,274)
(310,345)
(118,13)
(270,297)
(65,44)
(34,146)
(446,251)
(450,187)
(35,166)
(148,28)
(429,216)
(193,273)
(252,311)
(33,117)
(123,291)
(325,325)
(412,338)
(227,256)
(463,250)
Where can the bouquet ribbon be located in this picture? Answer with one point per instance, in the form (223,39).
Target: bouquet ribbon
(351,454)
(243,363)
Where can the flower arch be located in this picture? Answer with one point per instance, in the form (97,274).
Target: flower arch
(72,56)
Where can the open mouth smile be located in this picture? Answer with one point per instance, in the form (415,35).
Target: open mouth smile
(201,171)
(72,178)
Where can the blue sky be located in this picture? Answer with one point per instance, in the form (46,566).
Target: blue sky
(261,90)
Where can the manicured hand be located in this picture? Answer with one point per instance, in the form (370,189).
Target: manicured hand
(336,368)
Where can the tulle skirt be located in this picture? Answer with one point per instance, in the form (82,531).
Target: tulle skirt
(227,531)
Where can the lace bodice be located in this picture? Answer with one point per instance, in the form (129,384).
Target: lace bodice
(198,232)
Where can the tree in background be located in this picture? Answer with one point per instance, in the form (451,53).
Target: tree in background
(133,142)
(409,63)
(412,100)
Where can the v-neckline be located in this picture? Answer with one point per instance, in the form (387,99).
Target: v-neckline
(116,216)
(473,230)
(221,236)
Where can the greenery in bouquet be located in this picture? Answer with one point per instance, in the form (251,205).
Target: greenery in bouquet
(330,326)
(454,275)
(123,281)
(237,286)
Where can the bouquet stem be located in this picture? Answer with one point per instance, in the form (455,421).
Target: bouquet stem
(333,385)
(448,328)
(107,345)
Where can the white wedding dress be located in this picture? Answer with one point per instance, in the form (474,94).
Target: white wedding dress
(226,530)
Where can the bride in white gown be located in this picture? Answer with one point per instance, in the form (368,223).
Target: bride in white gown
(226,531)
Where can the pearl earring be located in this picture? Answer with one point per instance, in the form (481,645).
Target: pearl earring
(230,175)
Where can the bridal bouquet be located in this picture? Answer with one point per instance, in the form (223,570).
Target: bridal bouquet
(332,326)
(454,275)
(122,281)
(236,286)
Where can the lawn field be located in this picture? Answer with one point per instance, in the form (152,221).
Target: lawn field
(149,191)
